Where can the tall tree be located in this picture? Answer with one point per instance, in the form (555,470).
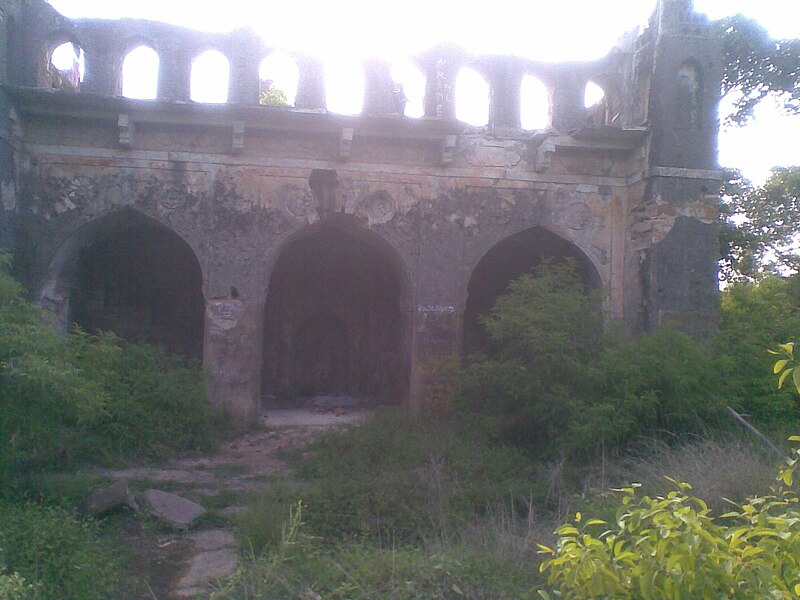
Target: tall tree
(757,66)
(760,225)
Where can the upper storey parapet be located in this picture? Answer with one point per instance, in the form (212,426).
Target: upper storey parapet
(106,44)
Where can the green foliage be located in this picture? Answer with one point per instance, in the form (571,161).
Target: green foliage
(273,97)
(752,317)
(757,66)
(787,365)
(54,555)
(557,382)
(670,547)
(263,524)
(14,587)
(155,404)
(400,479)
(89,397)
(303,567)
(759,225)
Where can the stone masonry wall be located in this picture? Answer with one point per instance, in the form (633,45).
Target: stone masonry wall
(634,194)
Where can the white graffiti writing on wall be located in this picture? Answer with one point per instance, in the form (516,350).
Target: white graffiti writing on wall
(435,308)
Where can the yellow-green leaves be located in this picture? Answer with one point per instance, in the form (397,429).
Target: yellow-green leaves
(786,366)
(671,548)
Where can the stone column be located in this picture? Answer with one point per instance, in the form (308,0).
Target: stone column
(246,55)
(441,67)
(175,72)
(311,84)
(567,92)
(103,65)
(231,355)
(380,95)
(436,347)
(437,313)
(504,75)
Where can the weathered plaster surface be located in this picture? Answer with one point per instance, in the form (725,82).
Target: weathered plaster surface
(631,187)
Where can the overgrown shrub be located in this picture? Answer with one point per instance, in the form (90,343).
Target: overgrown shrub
(671,547)
(89,396)
(14,587)
(557,382)
(58,555)
(753,317)
(155,404)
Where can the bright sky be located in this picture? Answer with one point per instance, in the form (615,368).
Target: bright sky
(343,31)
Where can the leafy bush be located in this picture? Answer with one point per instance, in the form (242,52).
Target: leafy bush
(154,403)
(89,396)
(672,547)
(557,382)
(752,318)
(14,587)
(62,556)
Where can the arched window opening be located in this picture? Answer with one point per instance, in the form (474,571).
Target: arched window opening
(332,321)
(690,99)
(278,76)
(596,104)
(409,88)
(144,283)
(593,95)
(66,68)
(211,72)
(506,261)
(472,98)
(534,103)
(140,74)
(344,87)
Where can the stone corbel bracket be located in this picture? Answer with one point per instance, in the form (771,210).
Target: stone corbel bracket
(447,148)
(544,155)
(127,130)
(346,143)
(237,143)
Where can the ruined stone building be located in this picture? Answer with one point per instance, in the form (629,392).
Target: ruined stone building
(299,251)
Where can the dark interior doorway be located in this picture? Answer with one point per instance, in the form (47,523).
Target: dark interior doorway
(144,283)
(332,320)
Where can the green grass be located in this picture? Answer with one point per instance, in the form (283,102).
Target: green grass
(61,555)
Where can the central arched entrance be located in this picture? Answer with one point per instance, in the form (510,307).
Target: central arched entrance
(333,323)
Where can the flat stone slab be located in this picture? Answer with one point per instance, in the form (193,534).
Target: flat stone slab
(216,558)
(172,509)
(213,539)
(303,417)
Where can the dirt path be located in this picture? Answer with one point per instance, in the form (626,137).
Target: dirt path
(181,564)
